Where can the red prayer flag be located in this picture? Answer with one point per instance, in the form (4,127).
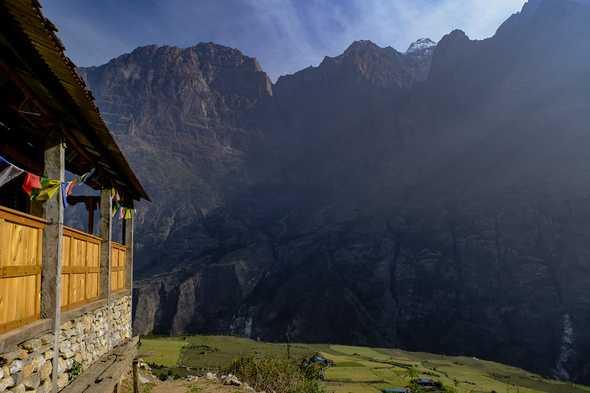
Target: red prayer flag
(32,182)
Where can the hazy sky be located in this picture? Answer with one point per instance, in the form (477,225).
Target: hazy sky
(284,35)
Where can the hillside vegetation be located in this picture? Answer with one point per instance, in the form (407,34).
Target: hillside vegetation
(354,369)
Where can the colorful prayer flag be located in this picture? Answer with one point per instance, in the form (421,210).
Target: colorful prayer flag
(8,171)
(49,187)
(64,193)
(32,182)
(82,179)
(69,187)
(116,206)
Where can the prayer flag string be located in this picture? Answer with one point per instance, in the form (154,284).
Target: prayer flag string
(40,188)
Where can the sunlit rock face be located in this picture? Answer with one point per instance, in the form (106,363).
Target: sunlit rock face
(434,200)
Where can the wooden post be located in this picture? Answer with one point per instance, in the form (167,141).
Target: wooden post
(128,233)
(135,376)
(128,228)
(53,212)
(106,224)
(91,207)
(124,232)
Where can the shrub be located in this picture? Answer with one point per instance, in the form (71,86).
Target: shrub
(276,375)
(76,370)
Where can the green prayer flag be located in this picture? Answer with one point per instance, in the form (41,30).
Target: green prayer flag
(49,187)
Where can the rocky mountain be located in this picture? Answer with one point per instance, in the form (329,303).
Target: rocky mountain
(432,200)
(186,119)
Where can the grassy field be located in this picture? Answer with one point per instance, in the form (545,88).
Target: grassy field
(356,369)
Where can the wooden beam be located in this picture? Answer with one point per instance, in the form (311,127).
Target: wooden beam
(91,209)
(106,224)
(105,373)
(53,213)
(135,376)
(23,160)
(129,241)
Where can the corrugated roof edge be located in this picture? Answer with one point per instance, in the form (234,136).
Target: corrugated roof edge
(92,117)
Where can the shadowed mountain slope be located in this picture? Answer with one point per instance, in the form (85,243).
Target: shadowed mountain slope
(433,200)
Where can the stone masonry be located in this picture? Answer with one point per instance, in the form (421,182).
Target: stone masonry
(83,340)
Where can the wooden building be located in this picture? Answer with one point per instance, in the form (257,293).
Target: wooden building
(65,293)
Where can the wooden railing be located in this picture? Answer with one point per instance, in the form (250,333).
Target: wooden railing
(21,239)
(80,278)
(21,247)
(118,266)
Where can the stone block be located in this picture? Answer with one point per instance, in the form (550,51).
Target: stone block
(18,378)
(61,365)
(18,389)
(45,387)
(48,355)
(27,370)
(62,380)
(45,371)
(32,345)
(6,383)
(68,354)
(38,362)
(66,326)
(32,382)
(45,348)
(46,339)
(16,366)
(7,358)
(65,346)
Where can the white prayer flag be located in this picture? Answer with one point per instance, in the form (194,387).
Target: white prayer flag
(8,171)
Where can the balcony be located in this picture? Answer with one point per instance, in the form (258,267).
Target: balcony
(21,265)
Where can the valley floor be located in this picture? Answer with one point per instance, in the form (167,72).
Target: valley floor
(354,369)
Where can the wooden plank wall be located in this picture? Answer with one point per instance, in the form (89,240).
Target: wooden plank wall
(21,239)
(80,269)
(118,264)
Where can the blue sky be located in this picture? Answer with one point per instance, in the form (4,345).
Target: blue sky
(284,35)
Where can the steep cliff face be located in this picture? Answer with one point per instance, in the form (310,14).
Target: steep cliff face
(435,200)
(186,119)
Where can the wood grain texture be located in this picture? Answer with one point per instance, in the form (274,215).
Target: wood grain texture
(106,223)
(118,267)
(20,268)
(81,268)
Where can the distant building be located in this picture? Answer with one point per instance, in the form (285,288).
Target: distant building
(428,383)
(396,390)
(321,360)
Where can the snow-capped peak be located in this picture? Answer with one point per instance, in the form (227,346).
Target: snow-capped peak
(420,45)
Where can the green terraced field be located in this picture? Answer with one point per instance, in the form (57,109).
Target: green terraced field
(356,369)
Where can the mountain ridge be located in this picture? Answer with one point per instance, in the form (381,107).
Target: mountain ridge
(431,205)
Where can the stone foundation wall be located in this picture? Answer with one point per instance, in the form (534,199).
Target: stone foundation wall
(82,341)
